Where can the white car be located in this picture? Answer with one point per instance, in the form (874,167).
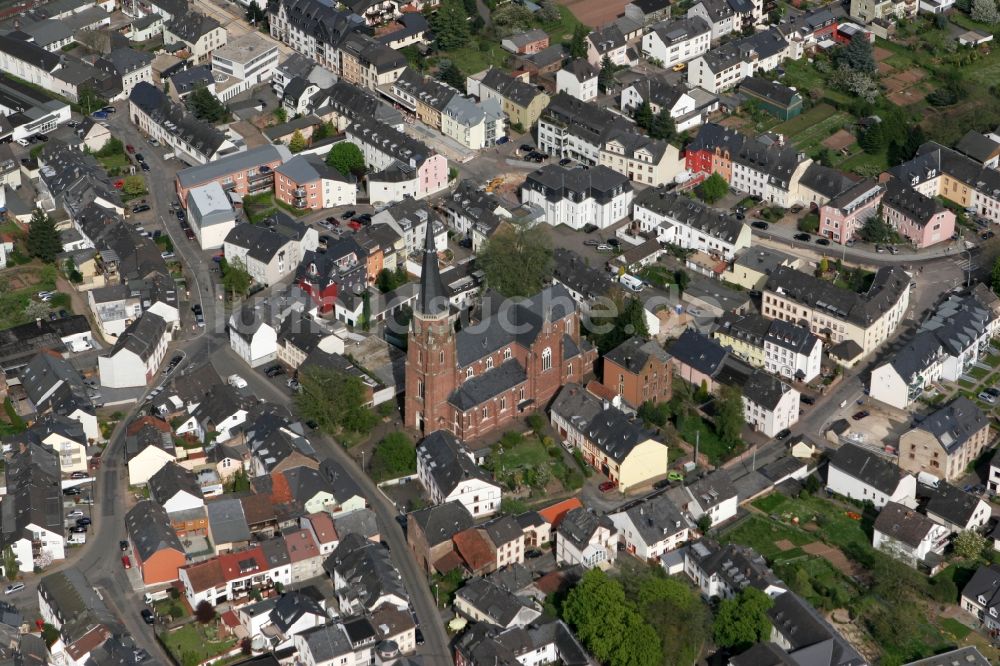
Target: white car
(237,382)
(22,142)
(75,514)
(14,587)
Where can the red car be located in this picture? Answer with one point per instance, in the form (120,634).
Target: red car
(127,563)
(130,148)
(354,224)
(607,486)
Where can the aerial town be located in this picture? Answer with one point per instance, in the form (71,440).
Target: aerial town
(499,333)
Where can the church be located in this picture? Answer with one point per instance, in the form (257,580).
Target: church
(481,378)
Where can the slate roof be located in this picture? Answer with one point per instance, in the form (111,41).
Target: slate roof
(681,29)
(967,656)
(935,158)
(570,269)
(889,285)
(765,44)
(515,90)
(910,202)
(150,531)
(953,424)
(825,180)
(328,642)
(770,91)
(810,637)
(199,135)
(616,433)
(171,480)
(34,495)
(867,467)
(366,569)
(76,601)
(978,146)
(949,502)
(226,520)
(681,209)
(292,606)
(342,484)
(247,159)
(635,353)
(263,241)
(558,183)
(698,351)
(448,461)
(607,39)
(487,645)
(192,26)
(581,69)
(903,524)
(765,390)
(51,381)
(579,526)
(738,566)
(481,388)
(656,519)
(440,523)
(496,603)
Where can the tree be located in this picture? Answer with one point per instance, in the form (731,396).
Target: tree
(206,106)
(346,158)
(824,265)
(388,280)
(89,101)
(134,185)
(663,127)
(877,230)
(549,11)
(742,621)
(629,321)
(452,75)
(393,457)
(985,11)
(297,143)
(49,634)
(239,482)
(257,17)
(713,188)
(334,400)
(606,78)
(858,54)
(871,140)
(512,18)
(644,115)
(578,42)
(676,613)
(111,147)
(681,279)
(10,566)
(204,612)
(43,239)
(235,278)
(969,544)
(729,419)
(323,131)
(609,625)
(995,277)
(517,261)
(450,25)
(858,83)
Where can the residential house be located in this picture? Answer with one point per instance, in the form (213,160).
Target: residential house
(200,34)
(135,357)
(156,550)
(980,147)
(804,633)
(579,196)
(780,347)
(647,12)
(720,15)
(70,603)
(366,62)
(920,219)
(176,489)
(583,282)
(114,307)
(210,214)
(723,571)
(491,546)
(227,524)
(529,41)
(364,577)
(945,442)
(244,173)
(677,41)
(307,182)
(93,135)
(869,11)
(470,207)
(843,216)
(713,496)
(56,389)
(149,446)
(699,360)
(856,322)
(675,100)
(679,220)
(129,65)
(479,600)
(271,250)
(861,474)
(727,65)
(578,78)
(398,165)
(651,528)
(769,405)
(585,539)
(32,520)
(981,596)
(304,555)
(330,645)
(611,441)
(779,100)
(910,536)
(953,507)
(638,371)
(448,472)
(429,534)
(521,101)
(608,42)
(248,60)
(548,642)
(475,125)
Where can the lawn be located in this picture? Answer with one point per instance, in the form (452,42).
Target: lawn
(804,121)
(993,360)
(865,163)
(955,628)
(191,644)
(836,526)
(110,162)
(804,77)
(528,452)
(519,461)
(978,372)
(761,534)
(812,136)
(709,444)
(658,275)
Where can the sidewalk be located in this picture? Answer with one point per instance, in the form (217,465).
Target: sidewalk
(782,234)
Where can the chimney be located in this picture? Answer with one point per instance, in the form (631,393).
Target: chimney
(38,322)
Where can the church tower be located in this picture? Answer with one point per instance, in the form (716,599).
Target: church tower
(430,356)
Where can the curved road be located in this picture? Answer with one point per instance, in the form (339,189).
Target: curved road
(212,344)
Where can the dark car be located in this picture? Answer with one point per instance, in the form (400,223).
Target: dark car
(613,242)
(78,475)
(801,237)
(988,235)
(860,415)
(147,616)
(141,208)
(275,371)
(502,140)
(418,636)
(109,109)
(181,215)
(139,157)
(822,241)
(83,521)
(783,434)
(365,218)
(71,491)
(807,400)
(42,137)
(607,486)
(565,161)
(758,224)
(79,529)
(312,424)
(532,553)
(466,243)
(196,308)
(348,214)
(525,147)
(590,228)
(145,167)
(123,545)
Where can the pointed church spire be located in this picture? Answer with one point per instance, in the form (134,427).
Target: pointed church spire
(433,298)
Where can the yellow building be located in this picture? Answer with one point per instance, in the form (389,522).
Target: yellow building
(751,269)
(522,102)
(744,336)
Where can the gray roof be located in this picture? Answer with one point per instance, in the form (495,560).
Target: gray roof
(935,158)
(953,424)
(687,211)
(825,180)
(911,203)
(125,60)
(307,168)
(76,602)
(515,90)
(579,525)
(634,353)
(192,26)
(33,495)
(366,569)
(655,519)
(616,433)
(440,523)
(738,566)
(889,285)
(265,239)
(342,484)
(496,603)
(572,270)
(811,639)
(483,387)
(984,583)
(226,520)
(487,645)
(361,522)
(433,298)
(682,29)
(698,351)
(714,489)
(198,134)
(949,502)
(173,479)
(557,183)
(248,159)
(964,656)
(142,336)
(522,39)
(765,390)
(150,530)
(765,44)
(581,69)
(293,605)
(903,524)
(867,467)
(770,91)
(978,146)
(328,642)
(448,461)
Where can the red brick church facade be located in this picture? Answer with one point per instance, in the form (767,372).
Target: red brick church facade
(483,377)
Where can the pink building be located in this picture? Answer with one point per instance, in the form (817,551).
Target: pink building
(840,219)
(921,219)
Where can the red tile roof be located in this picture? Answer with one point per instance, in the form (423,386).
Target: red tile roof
(554,514)
(281,493)
(474,548)
(322,524)
(89,642)
(598,389)
(205,575)
(301,545)
(243,563)
(151,421)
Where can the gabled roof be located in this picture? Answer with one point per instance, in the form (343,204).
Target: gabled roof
(978,146)
(226,520)
(867,467)
(199,135)
(953,424)
(366,569)
(811,639)
(499,605)
(890,283)
(949,502)
(680,209)
(903,524)
(448,461)
(698,351)
(171,480)
(765,390)
(635,353)
(579,526)
(656,519)
(440,523)
(150,531)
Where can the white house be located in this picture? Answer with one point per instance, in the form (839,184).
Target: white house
(176,489)
(211,215)
(954,508)
(271,250)
(114,307)
(201,34)
(769,405)
(149,447)
(33,527)
(248,60)
(792,351)
(725,66)
(475,125)
(677,101)
(863,475)
(680,220)
(579,79)
(136,356)
(981,596)
(718,14)
(579,196)
(330,645)
(909,536)
(480,600)
(586,539)
(651,528)
(448,472)
(398,164)
(721,571)
(714,496)
(677,41)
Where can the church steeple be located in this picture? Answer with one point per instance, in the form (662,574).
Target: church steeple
(433,297)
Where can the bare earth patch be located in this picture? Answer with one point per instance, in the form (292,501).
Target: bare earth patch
(839,140)
(595,13)
(784,545)
(832,555)
(881,53)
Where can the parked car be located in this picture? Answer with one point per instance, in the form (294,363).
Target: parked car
(348,214)
(893,249)
(502,140)
(808,400)
(200,320)
(783,434)
(76,513)
(759,224)
(166,255)
(613,242)
(565,161)
(802,237)
(78,475)
(78,529)
(13,587)
(123,545)
(145,167)
(147,616)
(466,243)
(109,109)
(83,521)
(71,491)
(592,242)
(141,208)
(196,308)
(532,553)
(139,157)
(987,398)
(880,249)
(126,562)
(861,415)
(130,148)
(604,247)
(154,143)
(822,241)
(590,228)
(607,486)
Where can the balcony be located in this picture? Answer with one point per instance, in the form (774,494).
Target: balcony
(299,192)
(300,203)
